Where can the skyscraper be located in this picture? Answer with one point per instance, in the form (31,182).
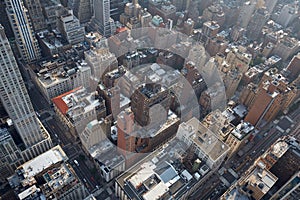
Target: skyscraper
(270,5)
(17,104)
(36,15)
(102,17)
(245,13)
(116,8)
(287,14)
(10,155)
(69,26)
(82,9)
(22,27)
(259,19)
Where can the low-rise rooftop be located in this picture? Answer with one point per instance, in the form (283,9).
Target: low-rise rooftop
(162,174)
(47,176)
(106,154)
(42,162)
(242,130)
(56,70)
(76,101)
(203,138)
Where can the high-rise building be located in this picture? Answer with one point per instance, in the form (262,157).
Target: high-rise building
(132,15)
(16,101)
(274,175)
(248,94)
(245,14)
(82,9)
(100,60)
(49,10)
(76,108)
(67,76)
(116,8)
(94,132)
(233,67)
(273,94)
(36,15)
(270,5)
(286,47)
(23,30)
(111,97)
(69,26)
(290,190)
(133,140)
(4,20)
(287,14)
(239,136)
(143,100)
(257,22)
(212,13)
(102,19)
(294,66)
(210,28)
(10,155)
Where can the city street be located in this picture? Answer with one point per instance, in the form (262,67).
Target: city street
(61,136)
(213,188)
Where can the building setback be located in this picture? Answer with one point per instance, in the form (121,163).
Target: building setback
(70,27)
(16,101)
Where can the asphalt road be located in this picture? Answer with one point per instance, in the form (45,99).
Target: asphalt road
(213,190)
(61,136)
(206,189)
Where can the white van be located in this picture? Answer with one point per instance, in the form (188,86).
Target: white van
(76,162)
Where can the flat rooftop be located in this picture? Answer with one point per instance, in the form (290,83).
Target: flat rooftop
(242,130)
(58,177)
(285,123)
(116,73)
(42,162)
(76,101)
(161,175)
(240,110)
(153,131)
(106,153)
(150,90)
(212,25)
(31,193)
(262,179)
(203,138)
(279,148)
(165,76)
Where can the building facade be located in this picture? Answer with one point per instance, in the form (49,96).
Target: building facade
(77,108)
(82,9)
(36,15)
(102,20)
(100,60)
(10,155)
(15,98)
(146,97)
(256,24)
(23,30)
(70,26)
